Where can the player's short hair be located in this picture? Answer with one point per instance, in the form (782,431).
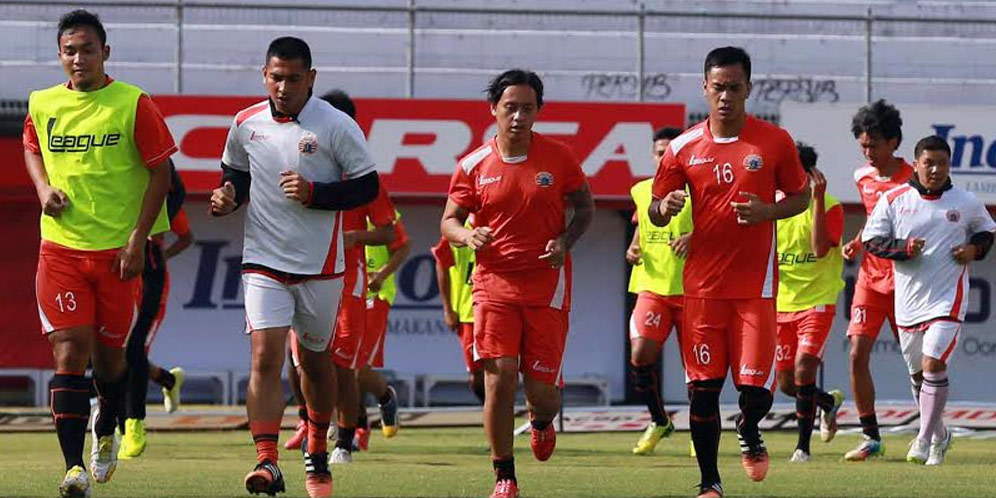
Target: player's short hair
(807,156)
(727,56)
(879,118)
(340,100)
(78,18)
(667,133)
(514,77)
(289,48)
(933,142)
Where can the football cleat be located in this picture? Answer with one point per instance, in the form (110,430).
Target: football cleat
(753,454)
(938,449)
(505,488)
(869,448)
(318,478)
(341,456)
(714,490)
(265,478)
(651,436)
(171,397)
(800,457)
(828,419)
(300,433)
(133,442)
(543,442)
(76,484)
(389,423)
(104,456)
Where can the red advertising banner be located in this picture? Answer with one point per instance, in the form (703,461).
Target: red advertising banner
(416,143)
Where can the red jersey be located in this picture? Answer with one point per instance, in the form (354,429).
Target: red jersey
(727,260)
(380,212)
(522,200)
(876,272)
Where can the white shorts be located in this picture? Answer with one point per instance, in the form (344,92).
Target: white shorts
(309,307)
(936,339)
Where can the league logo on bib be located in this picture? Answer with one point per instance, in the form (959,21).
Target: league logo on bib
(953,215)
(308,144)
(544,179)
(753,162)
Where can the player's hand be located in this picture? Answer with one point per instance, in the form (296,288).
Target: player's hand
(633,255)
(375,280)
(852,249)
(680,245)
(916,247)
(478,238)
(672,203)
(556,252)
(965,253)
(349,238)
(819,183)
(53,201)
(753,211)
(295,187)
(223,199)
(452,320)
(130,259)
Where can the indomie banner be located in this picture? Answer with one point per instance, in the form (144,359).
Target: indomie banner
(416,143)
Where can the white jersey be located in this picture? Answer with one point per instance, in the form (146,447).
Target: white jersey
(932,285)
(322,144)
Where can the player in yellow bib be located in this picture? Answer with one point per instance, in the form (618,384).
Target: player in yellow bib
(97,151)
(809,279)
(454,268)
(658,258)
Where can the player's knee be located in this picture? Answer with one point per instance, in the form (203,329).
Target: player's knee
(643,377)
(786,384)
(933,365)
(755,399)
(704,396)
(268,362)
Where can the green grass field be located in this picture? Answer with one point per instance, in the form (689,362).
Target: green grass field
(454,462)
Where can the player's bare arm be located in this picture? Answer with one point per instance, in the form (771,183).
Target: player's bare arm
(680,245)
(182,242)
(633,253)
(443,280)
(451,226)
(820,241)
(375,280)
(754,210)
(662,210)
(130,260)
(52,200)
(378,236)
(584,210)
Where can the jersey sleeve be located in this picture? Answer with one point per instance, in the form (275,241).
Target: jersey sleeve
(180,224)
(981,221)
(835,224)
(443,253)
(400,236)
(380,212)
(350,149)
(235,154)
(30,136)
(879,223)
(574,178)
(669,177)
(789,175)
(152,138)
(462,190)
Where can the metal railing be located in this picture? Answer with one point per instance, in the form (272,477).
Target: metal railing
(413,12)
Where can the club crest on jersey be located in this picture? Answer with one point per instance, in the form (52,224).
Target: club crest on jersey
(544,179)
(753,162)
(308,144)
(953,215)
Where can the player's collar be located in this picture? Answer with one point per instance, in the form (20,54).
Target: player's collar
(287,118)
(931,195)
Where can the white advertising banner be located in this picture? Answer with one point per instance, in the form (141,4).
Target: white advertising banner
(970,131)
(204,325)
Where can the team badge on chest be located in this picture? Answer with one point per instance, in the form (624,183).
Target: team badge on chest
(753,162)
(544,179)
(308,144)
(953,215)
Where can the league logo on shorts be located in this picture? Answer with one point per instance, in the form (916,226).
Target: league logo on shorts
(544,179)
(953,215)
(753,162)
(308,144)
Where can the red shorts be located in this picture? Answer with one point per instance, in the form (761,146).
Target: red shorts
(869,310)
(536,335)
(376,331)
(802,332)
(729,334)
(654,316)
(77,288)
(347,344)
(466,333)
